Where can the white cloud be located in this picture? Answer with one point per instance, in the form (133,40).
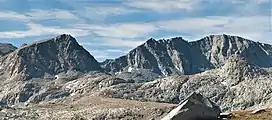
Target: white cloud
(102,12)
(122,43)
(51,14)
(98,54)
(10,15)
(193,24)
(114,51)
(249,1)
(97,11)
(162,5)
(38,15)
(253,27)
(39,30)
(125,30)
(101,55)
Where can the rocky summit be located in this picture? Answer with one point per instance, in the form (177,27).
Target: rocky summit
(177,56)
(58,79)
(48,57)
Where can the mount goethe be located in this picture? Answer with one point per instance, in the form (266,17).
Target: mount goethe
(232,71)
(178,57)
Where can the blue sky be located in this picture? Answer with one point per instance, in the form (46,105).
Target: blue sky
(110,28)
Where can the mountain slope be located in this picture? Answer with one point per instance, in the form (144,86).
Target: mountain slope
(6,48)
(51,57)
(236,85)
(178,57)
(237,82)
(218,48)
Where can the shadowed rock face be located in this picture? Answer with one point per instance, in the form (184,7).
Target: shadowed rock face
(177,56)
(6,48)
(51,56)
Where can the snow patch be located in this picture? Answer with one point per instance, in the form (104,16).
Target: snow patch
(129,69)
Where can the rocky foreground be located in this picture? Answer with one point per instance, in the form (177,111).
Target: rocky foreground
(88,107)
(58,79)
(101,108)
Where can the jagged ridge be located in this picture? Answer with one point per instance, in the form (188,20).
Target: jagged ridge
(177,56)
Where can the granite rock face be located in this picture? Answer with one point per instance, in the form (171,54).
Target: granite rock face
(36,72)
(194,107)
(218,48)
(6,48)
(236,85)
(179,57)
(51,57)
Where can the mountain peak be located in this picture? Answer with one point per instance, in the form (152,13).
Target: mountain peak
(178,56)
(65,36)
(6,48)
(51,56)
(150,41)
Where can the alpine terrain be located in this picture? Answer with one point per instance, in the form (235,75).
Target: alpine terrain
(166,79)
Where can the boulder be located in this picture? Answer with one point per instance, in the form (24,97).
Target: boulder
(194,107)
(257,111)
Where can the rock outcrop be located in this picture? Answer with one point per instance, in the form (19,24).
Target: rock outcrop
(194,107)
(236,85)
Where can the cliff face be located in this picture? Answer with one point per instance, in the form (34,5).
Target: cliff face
(218,48)
(177,56)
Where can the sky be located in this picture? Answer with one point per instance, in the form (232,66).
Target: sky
(111,28)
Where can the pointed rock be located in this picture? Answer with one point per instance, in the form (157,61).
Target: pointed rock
(194,107)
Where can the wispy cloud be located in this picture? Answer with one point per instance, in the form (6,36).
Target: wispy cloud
(123,43)
(10,15)
(254,27)
(193,25)
(101,55)
(124,30)
(98,54)
(250,1)
(113,23)
(51,14)
(102,12)
(39,30)
(37,14)
(162,5)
